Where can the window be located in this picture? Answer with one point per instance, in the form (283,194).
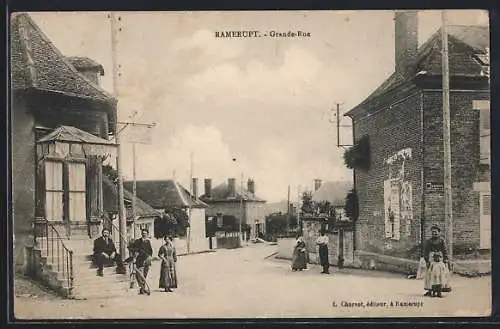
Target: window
(484,130)
(54,191)
(76,190)
(485,220)
(486,205)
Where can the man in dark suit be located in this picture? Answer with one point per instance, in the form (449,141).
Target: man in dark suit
(105,252)
(143,253)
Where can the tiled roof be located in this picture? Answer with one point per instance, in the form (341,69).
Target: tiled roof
(465,43)
(110,196)
(75,135)
(165,193)
(37,63)
(334,192)
(222,193)
(85,63)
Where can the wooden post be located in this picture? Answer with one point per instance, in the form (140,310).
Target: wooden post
(448,205)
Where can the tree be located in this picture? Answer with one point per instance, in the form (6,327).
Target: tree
(307,203)
(352,205)
(358,155)
(110,172)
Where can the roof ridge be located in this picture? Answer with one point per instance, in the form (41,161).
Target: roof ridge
(26,47)
(181,194)
(63,58)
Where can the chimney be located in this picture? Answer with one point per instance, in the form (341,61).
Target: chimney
(88,68)
(406,41)
(195,187)
(231,187)
(251,186)
(317,184)
(208,187)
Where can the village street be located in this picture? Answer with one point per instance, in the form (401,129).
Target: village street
(243,283)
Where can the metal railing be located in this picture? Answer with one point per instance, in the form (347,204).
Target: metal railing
(56,252)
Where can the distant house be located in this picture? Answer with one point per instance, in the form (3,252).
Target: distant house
(401,192)
(143,216)
(335,193)
(231,199)
(169,194)
(61,122)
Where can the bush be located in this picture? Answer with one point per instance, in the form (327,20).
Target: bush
(358,155)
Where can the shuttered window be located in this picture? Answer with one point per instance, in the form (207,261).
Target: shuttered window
(484,130)
(76,191)
(486,205)
(54,191)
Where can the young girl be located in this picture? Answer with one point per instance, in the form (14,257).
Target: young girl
(437,271)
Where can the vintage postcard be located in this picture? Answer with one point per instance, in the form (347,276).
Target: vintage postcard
(253,164)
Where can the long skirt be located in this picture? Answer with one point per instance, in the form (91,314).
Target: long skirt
(435,275)
(323,255)
(299,260)
(168,275)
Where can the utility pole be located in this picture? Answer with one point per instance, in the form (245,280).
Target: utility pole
(241,209)
(448,201)
(190,201)
(298,210)
(288,209)
(121,205)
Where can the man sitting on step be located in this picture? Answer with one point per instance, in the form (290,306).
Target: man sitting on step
(105,253)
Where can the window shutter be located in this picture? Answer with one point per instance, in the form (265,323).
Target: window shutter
(486,205)
(40,189)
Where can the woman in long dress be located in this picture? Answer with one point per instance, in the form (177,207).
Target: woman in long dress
(432,246)
(168,272)
(299,258)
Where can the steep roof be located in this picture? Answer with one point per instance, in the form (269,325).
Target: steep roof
(222,193)
(110,196)
(334,192)
(464,43)
(37,64)
(165,193)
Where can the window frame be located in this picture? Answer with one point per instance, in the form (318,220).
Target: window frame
(46,160)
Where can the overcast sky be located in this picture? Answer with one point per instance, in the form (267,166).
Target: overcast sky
(265,102)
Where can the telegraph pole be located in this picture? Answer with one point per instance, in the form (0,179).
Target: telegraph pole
(241,209)
(121,205)
(288,209)
(448,203)
(298,210)
(190,209)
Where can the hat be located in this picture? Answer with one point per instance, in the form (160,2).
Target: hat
(435,227)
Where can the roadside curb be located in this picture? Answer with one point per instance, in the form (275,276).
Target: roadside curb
(271,255)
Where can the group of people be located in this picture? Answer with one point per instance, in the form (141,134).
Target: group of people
(300,255)
(141,253)
(437,265)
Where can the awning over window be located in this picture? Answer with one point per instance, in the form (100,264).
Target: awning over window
(70,141)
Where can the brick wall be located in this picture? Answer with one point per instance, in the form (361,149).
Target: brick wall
(465,164)
(400,126)
(390,130)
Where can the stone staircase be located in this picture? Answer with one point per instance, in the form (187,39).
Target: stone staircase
(86,283)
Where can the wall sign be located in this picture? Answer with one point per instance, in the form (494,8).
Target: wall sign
(435,187)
